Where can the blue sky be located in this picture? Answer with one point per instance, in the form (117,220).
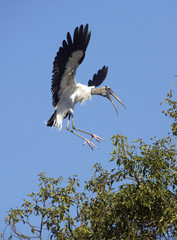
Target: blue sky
(137,40)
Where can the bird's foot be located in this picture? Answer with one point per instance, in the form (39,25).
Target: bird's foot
(91,145)
(97,138)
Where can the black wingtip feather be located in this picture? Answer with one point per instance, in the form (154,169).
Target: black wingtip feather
(98,77)
(69,39)
(75,36)
(88,39)
(80,32)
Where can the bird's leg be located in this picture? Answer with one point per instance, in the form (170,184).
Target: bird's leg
(91,145)
(91,134)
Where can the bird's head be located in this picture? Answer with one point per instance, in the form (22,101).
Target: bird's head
(107,92)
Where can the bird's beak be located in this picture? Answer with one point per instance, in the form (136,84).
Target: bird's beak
(116,97)
(107,92)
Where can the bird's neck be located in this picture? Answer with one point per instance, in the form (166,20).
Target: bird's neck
(98,91)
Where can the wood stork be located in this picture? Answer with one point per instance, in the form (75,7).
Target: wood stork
(66,92)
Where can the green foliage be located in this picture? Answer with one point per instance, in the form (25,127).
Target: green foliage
(172,111)
(137,199)
(148,202)
(52,203)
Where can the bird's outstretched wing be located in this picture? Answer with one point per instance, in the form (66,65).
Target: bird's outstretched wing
(68,58)
(98,77)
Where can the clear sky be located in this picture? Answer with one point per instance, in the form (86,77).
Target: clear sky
(137,40)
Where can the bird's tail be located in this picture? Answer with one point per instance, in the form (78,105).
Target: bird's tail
(52,121)
(55,120)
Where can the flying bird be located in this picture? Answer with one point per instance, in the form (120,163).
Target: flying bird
(66,92)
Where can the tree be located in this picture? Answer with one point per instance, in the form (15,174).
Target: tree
(172,111)
(135,200)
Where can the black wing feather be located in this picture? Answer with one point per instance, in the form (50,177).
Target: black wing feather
(69,39)
(76,36)
(98,77)
(80,41)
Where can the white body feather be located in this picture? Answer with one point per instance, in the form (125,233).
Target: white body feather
(69,97)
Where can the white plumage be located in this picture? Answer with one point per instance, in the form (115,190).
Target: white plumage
(70,96)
